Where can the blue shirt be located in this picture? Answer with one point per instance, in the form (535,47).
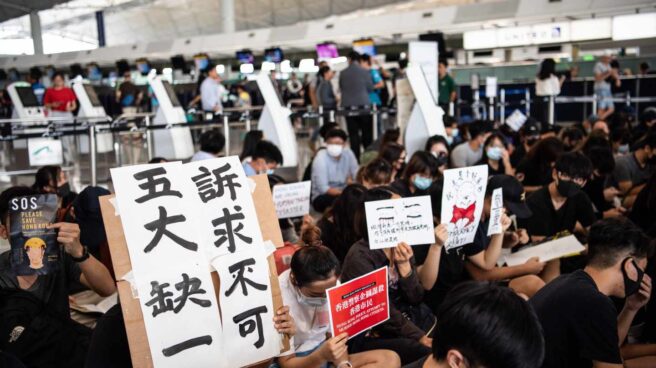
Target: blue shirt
(329,172)
(248,169)
(374,96)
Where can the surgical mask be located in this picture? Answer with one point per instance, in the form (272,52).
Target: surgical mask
(623,149)
(64,190)
(567,188)
(270,171)
(449,140)
(455,132)
(421,182)
(494,153)
(334,150)
(630,286)
(316,301)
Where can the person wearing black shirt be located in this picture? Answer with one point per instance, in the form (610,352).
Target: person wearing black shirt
(529,135)
(580,322)
(561,205)
(534,170)
(484,325)
(419,174)
(496,156)
(599,188)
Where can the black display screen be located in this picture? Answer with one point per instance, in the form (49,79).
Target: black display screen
(27,97)
(93,97)
(172,96)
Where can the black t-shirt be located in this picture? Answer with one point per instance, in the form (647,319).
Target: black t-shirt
(547,221)
(402,187)
(452,266)
(417,364)
(595,191)
(51,289)
(578,321)
(518,155)
(533,175)
(643,214)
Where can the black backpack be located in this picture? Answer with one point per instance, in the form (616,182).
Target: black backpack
(37,336)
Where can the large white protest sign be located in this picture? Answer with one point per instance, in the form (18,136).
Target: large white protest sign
(547,251)
(392,221)
(224,206)
(496,211)
(292,200)
(246,307)
(462,203)
(175,290)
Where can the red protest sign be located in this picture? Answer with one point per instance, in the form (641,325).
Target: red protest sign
(359,304)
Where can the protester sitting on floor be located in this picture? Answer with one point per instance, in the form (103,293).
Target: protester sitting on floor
(439,148)
(264,160)
(52,179)
(633,170)
(338,223)
(419,173)
(376,173)
(211,145)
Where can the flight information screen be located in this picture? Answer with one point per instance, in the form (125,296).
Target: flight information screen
(27,97)
(172,96)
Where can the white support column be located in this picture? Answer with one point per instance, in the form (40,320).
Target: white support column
(228,16)
(35,29)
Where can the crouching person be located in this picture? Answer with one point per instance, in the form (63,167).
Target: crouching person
(314,269)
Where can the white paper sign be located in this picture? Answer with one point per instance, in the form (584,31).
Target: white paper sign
(516,120)
(181,318)
(292,200)
(246,308)
(225,205)
(496,211)
(462,203)
(490,86)
(45,151)
(392,221)
(547,251)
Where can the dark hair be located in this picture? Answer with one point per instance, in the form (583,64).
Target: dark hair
(250,141)
(57,74)
(327,127)
(490,326)
(421,163)
(443,61)
(157,160)
(46,176)
(313,263)
(7,195)
(210,66)
(489,140)
(366,58)
(648,139)
(435,140)
(478,127)
(212,141)
(323,70)
(390,136)
(391,152)
(575,165)
(547,68)
(268,151)
(614,238)
(435,193)
(644,65)
(377,172)
(545,152)
(354,56)
(371,195)
(596,138)
(573,133)
(601,159)
(620,135)
(332,133)
(343,213)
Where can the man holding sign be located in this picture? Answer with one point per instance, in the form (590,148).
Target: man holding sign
(314,270)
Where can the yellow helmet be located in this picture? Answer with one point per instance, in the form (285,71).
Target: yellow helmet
(35,242)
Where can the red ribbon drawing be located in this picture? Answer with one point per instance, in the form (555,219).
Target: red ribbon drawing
(463,213)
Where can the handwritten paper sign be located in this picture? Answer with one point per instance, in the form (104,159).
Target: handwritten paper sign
(495,212)
(180,312)
(516,120)
(392,221)
(547,251)
(246,307)
(359,304)
(45,151)
(462,203)
(292,200)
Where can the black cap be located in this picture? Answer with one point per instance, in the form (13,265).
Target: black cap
(532,127)
(514,196)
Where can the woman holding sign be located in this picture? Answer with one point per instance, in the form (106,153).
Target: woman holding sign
(314,269)
(411,322)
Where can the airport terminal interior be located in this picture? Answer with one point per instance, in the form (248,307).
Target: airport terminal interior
(327,183)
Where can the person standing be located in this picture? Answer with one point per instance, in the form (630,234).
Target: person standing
(59,99)
(355,84)
(325,92)
(602,73)
(211,91)
(547,84)
(128,95)
(447,87)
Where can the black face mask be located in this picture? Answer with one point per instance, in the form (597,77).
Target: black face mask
(630,286)
(567,188)
(442,160)
(64,190)
(531,141)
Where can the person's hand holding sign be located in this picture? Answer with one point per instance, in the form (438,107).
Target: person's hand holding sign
(534,266)
(69,236)
(334,349)
(441,234)
(401,256)
(283,321)
(505,222)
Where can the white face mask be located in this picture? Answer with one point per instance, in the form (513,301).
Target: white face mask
(334,150)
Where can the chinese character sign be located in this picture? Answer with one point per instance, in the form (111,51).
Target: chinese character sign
(246,307)
(292,200)
(462,203)
(175,289)
(496,211)
(359,304)
(392,221)
(225,210)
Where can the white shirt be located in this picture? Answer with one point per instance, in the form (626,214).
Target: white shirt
(547,87)
(202,155)
(210,94)
(312,323)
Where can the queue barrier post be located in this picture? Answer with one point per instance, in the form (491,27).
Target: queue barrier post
(502,105)
(320,115)
(149,138)
(551,109)
(527,101)
(92,154)
(226,133)
(594,103)
(490,101)
(374,121)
